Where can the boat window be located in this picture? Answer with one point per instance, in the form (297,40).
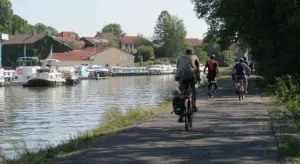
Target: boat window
(28,77)
(52,71)
(51,76)
(16,77)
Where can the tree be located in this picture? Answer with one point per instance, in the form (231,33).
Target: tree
(51,31)
(201,54)
(228,57)
(170,32)
(161,27)
(6,14)
(142,41)
(40,28)
(112,43)
(20,26)
(269,28)
(146,51)
(114,28)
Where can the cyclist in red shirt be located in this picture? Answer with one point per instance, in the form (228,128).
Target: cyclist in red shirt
(213,70)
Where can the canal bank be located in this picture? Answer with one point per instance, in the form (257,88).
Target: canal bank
(48,116)
(115,122)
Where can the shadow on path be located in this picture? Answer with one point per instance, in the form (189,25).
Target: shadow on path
(225,131)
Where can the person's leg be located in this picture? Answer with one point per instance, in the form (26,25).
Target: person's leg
(209,79)
(215,79)
(245,80)
(236,83)
(194,94)
(180,119)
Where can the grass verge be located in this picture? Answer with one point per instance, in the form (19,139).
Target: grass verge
(114,122)
(285,129)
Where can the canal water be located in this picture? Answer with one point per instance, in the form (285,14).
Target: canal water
(39,117)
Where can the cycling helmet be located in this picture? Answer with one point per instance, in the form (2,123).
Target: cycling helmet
(212,56)
(188,51)
(241,59)
(236,59)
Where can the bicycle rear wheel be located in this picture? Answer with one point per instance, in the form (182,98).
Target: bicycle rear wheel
(212,91)
(240,92)
(186,118)
(191,117)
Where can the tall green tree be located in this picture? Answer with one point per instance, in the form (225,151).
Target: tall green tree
(6,14)
(170,32)
(20,26)
(160,29)
(114,28)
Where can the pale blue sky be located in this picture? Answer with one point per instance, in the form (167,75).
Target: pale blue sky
(87,16)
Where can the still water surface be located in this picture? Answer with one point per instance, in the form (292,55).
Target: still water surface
(47,116)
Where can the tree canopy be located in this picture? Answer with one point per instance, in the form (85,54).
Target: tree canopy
(269,28)
(13,24)
(114,28)
(170,33)
(142,41)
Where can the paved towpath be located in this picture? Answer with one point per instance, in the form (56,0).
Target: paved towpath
(225,131)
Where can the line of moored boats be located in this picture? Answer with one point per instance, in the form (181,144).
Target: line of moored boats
(31,73)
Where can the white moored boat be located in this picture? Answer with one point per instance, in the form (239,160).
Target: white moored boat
(26,68)
(46,77)
(159,69)
(69,74)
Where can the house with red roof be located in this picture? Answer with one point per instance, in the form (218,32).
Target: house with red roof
(70,38)
(31,45)
(127,43)
(193,42)
(107,36)
(105,56)
(94,41)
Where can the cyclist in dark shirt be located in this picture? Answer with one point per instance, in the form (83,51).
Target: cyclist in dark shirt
(213,70)
(241,70)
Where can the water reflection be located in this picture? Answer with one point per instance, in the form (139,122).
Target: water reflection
(51,115)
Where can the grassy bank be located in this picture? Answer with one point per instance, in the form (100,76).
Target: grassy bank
(114,122)
(284,109)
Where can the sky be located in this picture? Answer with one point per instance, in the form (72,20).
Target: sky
(88,16)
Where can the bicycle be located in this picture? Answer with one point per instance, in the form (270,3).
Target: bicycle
(188,111)
(240,89)
(212,88)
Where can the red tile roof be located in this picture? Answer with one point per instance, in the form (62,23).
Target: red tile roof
(66,34)
(96,40)
(106,35)
(128,39)
(23,39)
(79,43)
(77,55)
(193,42)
